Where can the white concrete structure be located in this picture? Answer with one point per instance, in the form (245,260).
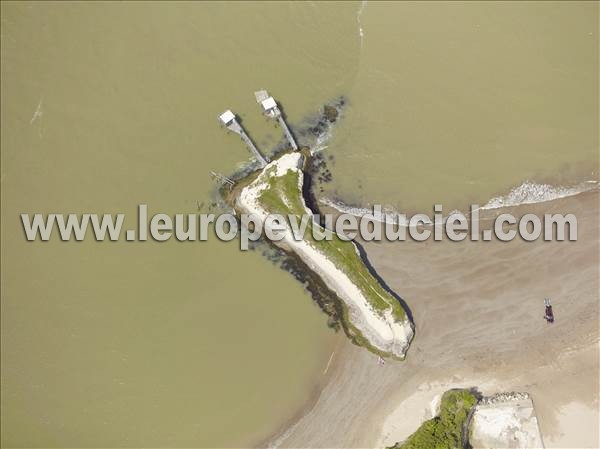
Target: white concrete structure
(269,105)
(227,117)
(506,420)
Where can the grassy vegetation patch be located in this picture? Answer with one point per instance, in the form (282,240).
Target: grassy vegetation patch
(283,196)
(445,430)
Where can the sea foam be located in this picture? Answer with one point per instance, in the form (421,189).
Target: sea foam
(530,192)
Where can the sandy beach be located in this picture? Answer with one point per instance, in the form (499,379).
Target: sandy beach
(478,310)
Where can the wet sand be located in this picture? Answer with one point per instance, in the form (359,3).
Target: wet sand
(478,310)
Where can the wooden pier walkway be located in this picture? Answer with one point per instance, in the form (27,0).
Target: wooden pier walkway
(271,110)
(287,132)
(229,120)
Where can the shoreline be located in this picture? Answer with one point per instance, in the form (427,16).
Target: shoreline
(555,364)
(529,193)
(274,439)
(370,314)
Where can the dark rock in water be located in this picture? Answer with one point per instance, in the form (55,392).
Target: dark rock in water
(330,113)
(319,128)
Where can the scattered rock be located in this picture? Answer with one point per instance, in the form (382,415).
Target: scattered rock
(330,113)
(504,397)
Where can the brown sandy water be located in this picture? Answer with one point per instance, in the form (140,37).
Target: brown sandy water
(105,106)
(150,345)
(457,102)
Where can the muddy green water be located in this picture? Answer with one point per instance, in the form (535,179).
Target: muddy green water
(197,344)
(455,103)
(149,344)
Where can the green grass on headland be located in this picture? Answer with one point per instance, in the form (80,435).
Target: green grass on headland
(445,430)
(282,196)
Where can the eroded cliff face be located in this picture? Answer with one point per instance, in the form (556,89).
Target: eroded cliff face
(372,316)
